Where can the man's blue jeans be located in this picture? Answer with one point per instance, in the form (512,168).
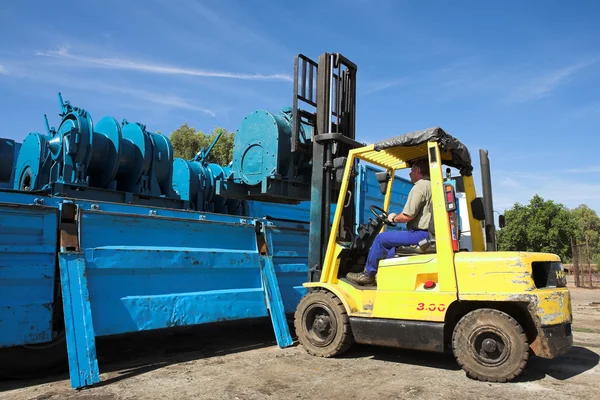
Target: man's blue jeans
(384,246)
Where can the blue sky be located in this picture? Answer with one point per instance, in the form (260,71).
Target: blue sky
(519,78)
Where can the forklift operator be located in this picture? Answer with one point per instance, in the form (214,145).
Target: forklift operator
(416,215)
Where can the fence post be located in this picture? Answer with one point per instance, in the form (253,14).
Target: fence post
(587,250)
(575,263)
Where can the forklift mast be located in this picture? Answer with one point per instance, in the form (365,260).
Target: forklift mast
(333,101)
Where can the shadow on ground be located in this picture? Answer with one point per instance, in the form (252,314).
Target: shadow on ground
(139,353)
(577,361)
(444,361)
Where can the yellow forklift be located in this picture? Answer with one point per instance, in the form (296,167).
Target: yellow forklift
(490,308)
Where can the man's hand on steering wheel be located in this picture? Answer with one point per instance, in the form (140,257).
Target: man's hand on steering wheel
(382,216)
(391,217)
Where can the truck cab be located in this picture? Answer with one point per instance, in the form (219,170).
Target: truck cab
(490,308)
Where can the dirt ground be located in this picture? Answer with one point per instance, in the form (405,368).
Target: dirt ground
(241,361)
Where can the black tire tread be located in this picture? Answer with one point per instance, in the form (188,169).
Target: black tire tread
(347,338)
(458,350)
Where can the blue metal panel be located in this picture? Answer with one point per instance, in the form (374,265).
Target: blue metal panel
(273,297)
(149,272)
(299,212)
(370,194)
(27,273)
(181,309)
(164,287)
(288,245)
(79,330)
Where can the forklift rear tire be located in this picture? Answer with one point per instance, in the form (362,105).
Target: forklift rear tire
(322,324)
(490,345)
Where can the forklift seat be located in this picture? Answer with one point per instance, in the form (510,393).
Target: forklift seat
(425,246)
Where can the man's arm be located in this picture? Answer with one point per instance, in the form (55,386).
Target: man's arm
(413,204)
(401,218)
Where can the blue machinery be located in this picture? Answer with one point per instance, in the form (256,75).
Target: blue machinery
(105,233)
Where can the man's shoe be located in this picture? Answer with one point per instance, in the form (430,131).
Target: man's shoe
(361,278)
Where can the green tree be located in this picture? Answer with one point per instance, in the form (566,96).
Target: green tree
(187,142)
(587,222)
(541,225)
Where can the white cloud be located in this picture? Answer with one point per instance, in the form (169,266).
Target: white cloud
(123,64)
(161,99)
(233,27)
(585,170)
(590,110)
(511,187)
(3,70)
(96,86)
(375,87)
(512,84)
(508,182)
(544,85)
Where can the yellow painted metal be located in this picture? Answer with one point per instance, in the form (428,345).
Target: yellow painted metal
(553,306)
(477,242)
(392,158)
(550,306)
(331,261)
(388,193)
(506,276)
(400,288)
(358,302)
(401,293)
(443,236)
(497,271)
(463,276)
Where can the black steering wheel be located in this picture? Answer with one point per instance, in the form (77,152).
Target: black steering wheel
(382,216)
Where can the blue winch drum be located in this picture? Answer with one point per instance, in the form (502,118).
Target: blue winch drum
(262,147)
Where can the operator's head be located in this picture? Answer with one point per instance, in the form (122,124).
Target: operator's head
(419,170)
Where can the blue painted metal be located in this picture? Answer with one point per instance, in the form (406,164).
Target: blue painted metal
(79,328)
(273,292)
(275,303)
(202,155)
(262,147)
(263,164)
(71,146)
(134,234)
(299,212)
(368,187)
(32,168)
(152,168)
(107,133)
(105,155)
(195,181)
(288,246)
(27,273)
(158,267)
(156,264)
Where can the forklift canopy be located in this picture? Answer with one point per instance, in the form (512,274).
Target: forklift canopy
(413,145)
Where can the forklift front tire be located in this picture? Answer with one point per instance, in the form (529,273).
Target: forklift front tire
(490,345)
(322,324)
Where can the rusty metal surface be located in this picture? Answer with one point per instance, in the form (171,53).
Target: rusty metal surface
(69,233)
